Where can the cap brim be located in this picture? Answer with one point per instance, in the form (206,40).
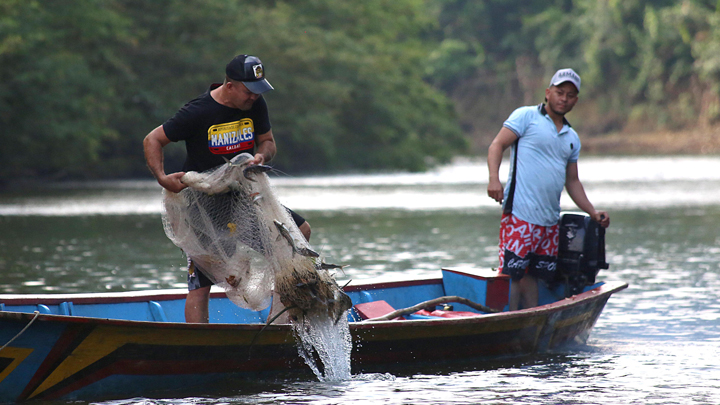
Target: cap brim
(258,87)
(559,82)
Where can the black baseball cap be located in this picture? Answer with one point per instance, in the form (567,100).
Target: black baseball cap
(248,70)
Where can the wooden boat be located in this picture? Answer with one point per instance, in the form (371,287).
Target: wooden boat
(121,345)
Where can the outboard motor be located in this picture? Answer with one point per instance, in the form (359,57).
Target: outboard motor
(581,252)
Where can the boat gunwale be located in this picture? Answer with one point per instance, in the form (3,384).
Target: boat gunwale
(171,294)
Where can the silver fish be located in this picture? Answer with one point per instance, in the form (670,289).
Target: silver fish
(304,251)
(307,252)
(328,266)
(255,169)
(285,234)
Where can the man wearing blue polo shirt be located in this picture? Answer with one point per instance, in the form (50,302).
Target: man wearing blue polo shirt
(545,150)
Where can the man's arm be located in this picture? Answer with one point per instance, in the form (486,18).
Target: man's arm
(153,146)
(577,192)
(502,141)
(266,148)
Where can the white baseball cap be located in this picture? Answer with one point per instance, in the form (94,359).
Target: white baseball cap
(565,75)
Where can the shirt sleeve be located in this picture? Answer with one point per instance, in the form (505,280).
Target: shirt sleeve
(518,121)
(575,154)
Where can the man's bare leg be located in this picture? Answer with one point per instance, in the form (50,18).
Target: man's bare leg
(529,291)
(515,290)
(196,305)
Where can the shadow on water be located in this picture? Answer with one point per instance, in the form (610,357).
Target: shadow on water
(556,359)
(300,388)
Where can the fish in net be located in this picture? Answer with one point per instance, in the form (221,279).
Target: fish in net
(230,222)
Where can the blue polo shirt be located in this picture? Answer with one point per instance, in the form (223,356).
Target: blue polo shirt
(543,154)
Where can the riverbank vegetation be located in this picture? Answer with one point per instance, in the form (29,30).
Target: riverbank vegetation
(371,85)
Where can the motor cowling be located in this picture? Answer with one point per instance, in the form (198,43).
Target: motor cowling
(581,251)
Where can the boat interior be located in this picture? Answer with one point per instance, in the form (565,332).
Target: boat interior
(482,286)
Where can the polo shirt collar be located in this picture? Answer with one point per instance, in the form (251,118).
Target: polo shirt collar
(543,111)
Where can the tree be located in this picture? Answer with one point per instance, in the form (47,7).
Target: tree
(90,78)
(59,85)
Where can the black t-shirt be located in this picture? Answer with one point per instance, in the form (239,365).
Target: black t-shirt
(212,131)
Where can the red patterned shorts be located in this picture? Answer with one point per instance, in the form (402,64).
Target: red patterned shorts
(526,248)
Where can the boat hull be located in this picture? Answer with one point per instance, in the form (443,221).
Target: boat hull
(494,335)
(93,358)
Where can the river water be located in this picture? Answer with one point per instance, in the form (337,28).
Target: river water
(657,342)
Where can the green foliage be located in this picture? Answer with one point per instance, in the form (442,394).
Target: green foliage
(644,63)
(360,85)
(349,86)
(88,79)
(58,91)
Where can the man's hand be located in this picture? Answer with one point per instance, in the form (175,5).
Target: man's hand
(258,159)
(602,218)
(172,182)
(495,190)
(265,148)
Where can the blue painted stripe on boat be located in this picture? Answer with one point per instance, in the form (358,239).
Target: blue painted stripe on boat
(222,310)
(265,313)
(474,289)
(549,294)
(400,296)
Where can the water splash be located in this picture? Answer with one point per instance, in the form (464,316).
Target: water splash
(320,338)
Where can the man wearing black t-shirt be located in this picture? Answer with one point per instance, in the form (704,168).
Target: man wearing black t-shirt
(229,119)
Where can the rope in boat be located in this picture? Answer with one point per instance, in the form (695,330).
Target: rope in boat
(433,302)
(37,313)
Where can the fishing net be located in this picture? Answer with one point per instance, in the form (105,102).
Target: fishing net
(231,224)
